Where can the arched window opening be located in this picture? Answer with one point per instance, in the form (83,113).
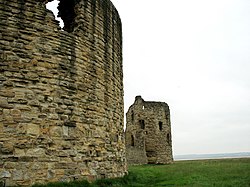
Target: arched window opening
(142,124)
(160,125)
(132,116)
(132,141)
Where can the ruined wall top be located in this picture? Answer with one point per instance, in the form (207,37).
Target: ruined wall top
(141,103)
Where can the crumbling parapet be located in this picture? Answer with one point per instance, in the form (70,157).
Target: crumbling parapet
(61,92)
(148,133)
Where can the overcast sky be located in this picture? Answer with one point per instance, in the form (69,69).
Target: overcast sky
(195,56)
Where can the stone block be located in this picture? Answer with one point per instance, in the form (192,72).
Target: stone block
(17,175)
(4,103)
(7,93)
(22,144)
(6,148)
(33,129)
(56,131)
(37,152)
(19,152)
(5,174)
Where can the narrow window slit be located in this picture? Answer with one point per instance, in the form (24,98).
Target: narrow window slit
(142,124)
(132,141)
(160,125)
(168,138)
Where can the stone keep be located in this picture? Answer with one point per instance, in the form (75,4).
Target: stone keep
(61,92)
(148,133)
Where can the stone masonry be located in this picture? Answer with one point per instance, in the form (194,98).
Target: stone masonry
(148,133)
(61,92)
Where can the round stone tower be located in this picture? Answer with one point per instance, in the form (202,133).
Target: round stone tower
(61,92)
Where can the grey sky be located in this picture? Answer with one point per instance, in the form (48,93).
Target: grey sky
(194,55)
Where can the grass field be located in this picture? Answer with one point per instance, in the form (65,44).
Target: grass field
(222,172)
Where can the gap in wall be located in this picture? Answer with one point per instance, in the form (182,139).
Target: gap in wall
(53,6)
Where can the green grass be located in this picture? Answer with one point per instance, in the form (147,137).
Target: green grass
(223,172)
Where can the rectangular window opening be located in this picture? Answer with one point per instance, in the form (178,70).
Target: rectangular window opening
(160,125)
(142,124)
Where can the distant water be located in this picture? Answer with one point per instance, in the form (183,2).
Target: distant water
(212,156)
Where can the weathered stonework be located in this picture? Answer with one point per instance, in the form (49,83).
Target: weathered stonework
(148,133)
(61,92)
